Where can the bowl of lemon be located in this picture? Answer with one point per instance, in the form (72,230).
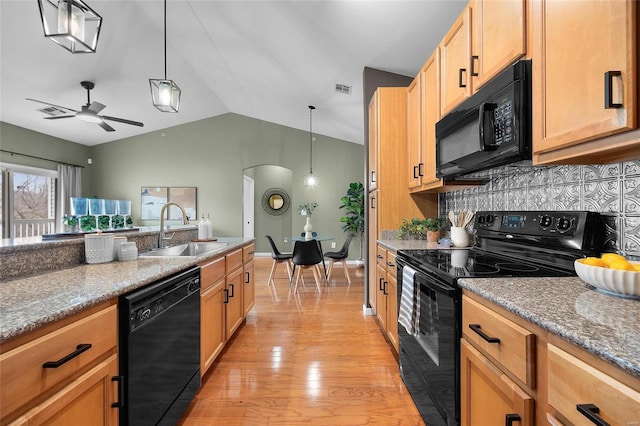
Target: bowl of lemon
(611,273)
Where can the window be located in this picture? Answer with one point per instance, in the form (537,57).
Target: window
(28,201)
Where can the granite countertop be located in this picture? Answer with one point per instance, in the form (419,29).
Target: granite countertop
(604,325)
(415,245)
(32,302)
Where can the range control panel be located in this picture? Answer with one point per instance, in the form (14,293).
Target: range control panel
(564,223)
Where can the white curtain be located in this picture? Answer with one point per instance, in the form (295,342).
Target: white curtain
(69,185)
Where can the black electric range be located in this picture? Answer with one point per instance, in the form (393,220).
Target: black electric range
(507,244)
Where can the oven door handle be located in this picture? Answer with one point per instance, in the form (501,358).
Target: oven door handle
(450,292)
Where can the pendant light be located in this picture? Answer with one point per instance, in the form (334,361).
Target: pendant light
(310,180)
(71,24)
(165,94)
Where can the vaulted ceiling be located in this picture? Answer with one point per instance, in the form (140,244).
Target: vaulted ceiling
(263,59)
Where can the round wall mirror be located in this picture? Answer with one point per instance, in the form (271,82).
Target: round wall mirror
(275,201)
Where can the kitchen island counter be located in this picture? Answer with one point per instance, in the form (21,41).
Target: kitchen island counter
(604,325)
(32,302)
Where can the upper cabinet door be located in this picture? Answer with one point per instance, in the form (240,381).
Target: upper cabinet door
(430,115)
(584,71)
(373,142)
(455,54)
(414,128)
(498,37)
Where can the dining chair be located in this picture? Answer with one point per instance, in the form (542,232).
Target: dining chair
(341,257)
(307,254)
(278,257)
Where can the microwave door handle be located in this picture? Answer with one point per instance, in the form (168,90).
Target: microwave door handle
(483,110)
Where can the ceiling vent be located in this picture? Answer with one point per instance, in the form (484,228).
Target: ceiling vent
(54,111)
(343,88)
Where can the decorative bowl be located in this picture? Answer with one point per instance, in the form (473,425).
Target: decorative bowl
(612,281)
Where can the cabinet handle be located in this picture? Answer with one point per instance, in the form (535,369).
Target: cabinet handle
(420,166)
(384,288)
(460,72)
(415,170)
(226,296)
(373,202)
(474,73)
(373,176)
(391,264)
(379,256)
(248,278)
(381,284)
(477,329)
(120,402)
(79,349)
(608,89)
(232,290)
(510,418)
(590,411)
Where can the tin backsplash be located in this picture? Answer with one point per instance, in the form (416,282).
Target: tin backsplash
(611,189)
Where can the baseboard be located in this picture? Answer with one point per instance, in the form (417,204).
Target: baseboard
(368,311)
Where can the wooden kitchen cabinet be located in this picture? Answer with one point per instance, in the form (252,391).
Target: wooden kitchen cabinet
(414,129)
(40,387)
(498,37)
(574,383)
(212,324)
(387,294)
(372,219)
(575,45)
(455,55)
(488,397)
(234,284)
(249,288)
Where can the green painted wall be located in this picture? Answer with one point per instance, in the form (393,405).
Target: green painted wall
(211,154)
(24,141)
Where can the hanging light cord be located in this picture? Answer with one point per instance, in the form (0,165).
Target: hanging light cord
(311,108)
(165,39)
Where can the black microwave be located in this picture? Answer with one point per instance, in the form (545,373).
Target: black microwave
(489,129)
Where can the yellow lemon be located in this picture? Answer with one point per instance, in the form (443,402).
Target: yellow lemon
(636,266)
(594,261)
(621,264)
(610,257)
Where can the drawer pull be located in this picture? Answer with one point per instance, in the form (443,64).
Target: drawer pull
(510,418)
(82,347)
(590,411)
(120,402)
(391,264)
(381,284)
(248,278)
(608,89)
(477,329)
(232,290)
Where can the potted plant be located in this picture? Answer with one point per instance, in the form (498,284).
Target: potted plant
(420,229)
(353,222)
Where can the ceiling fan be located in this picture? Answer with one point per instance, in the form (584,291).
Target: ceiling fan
(88,112)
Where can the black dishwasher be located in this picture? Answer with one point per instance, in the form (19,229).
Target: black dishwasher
(159,351)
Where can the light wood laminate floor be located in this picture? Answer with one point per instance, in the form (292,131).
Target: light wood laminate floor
(305,359)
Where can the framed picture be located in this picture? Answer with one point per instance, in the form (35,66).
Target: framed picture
(152,198)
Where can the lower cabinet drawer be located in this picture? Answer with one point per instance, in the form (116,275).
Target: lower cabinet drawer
(509,344)
(40,365)
(582,394)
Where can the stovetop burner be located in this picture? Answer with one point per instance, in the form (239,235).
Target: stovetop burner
(517,244)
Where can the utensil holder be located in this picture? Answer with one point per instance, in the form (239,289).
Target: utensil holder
(459,236)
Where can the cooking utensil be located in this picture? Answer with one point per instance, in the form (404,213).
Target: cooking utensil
(468,217)
(452,218)
(461,218)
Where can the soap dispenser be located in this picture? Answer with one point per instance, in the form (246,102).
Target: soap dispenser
(209,228)
(202,229)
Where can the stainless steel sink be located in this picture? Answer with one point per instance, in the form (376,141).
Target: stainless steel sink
(188,249)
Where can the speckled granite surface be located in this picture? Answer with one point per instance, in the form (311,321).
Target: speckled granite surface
(32,302)
(605,325)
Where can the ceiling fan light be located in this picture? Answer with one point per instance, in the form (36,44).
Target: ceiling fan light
(71,24)
(88,117)
(165,95)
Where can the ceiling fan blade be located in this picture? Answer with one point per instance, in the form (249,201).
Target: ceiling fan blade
(106,127)
(122,120)
(53,105)
(96,107)
(58,116)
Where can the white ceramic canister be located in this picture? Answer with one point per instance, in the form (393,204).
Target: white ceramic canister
(116,245)
(98,248)
(128,251)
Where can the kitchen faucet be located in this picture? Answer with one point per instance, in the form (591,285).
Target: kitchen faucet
(161,237)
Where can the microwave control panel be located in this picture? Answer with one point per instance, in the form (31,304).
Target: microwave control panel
(503,121)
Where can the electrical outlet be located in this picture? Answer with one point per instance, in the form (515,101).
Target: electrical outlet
(333,244)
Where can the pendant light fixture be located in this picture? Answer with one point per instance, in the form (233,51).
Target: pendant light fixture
(70,23)
(310,180)
(165,94)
